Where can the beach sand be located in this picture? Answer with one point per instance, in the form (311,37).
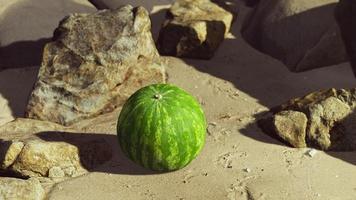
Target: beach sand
(238,161)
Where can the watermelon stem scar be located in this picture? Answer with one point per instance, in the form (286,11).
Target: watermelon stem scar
(157,96)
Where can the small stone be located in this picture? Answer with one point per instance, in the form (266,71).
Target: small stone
(248,170)
(291,126)
(194,28)
(311,152)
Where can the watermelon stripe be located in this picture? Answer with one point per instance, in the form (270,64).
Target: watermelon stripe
(136,135)
(150,137)
(177,130)
(171,141)
(157,135)
(145,138)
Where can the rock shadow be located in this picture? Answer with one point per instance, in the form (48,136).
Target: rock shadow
(98,152)
(268,80)
(345,18)
(21,45)
(22,54)
(343,135)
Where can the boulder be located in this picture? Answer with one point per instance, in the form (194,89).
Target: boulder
(19,189)
(26,26)
(303,34)
(328,118)
(194,29)
(94,64)
(345,14)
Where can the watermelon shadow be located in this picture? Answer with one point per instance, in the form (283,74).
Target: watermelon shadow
(98,152)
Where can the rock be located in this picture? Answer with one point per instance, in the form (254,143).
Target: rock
(5,111)
(38,157)
(26,25)
(194,29)
(113,4)
(345,14)
(56,159)
(19,189)
(330,116)
(323,116)
(303,34)
(34,150)
(291,127)
(94,64)
(9,150)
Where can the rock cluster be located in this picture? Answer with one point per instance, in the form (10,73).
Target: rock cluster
(303,34)
(194,29)
(323,120)
(94,64)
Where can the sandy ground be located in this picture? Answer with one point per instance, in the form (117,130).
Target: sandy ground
(238,162)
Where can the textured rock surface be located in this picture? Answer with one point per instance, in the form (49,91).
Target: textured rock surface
(5,111)
(37,150)
(330,116)
(291,127)
(303,34)
(194,28)
(346,14)
(38,157)
(19,189)
(26,25)
(96,62)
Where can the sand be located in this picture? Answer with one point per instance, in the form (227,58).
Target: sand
(238,162)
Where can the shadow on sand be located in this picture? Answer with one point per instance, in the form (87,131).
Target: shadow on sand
(268,80)
(98,153)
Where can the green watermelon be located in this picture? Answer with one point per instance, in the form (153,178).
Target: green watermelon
(161,127)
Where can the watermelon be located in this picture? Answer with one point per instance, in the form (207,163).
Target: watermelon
(161,127)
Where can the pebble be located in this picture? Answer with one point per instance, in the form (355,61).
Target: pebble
(248,170)
(311,152)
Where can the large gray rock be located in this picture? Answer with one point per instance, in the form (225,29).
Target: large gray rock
(303,34)
(194,29)
(329,123)
(26,26)
(94,64)
(18,189)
